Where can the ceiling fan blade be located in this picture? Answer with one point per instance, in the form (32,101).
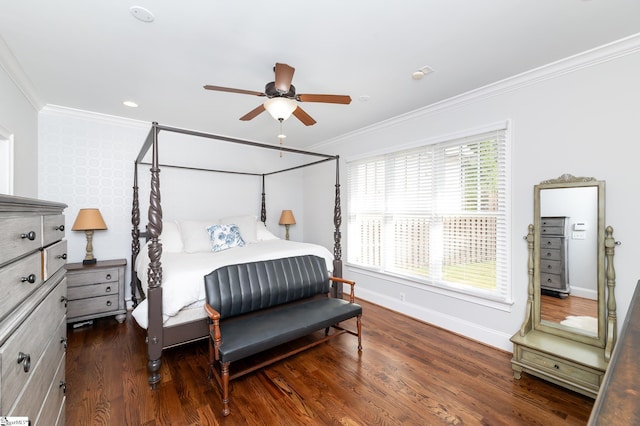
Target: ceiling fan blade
(329,99)
(231,90)
(304,117)
(253,113)
(284,75)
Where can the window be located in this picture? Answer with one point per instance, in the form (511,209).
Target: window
(434,214)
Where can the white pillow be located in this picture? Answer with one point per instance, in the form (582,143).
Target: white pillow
(246,224)
(195,236)
(263,234)
(170,237)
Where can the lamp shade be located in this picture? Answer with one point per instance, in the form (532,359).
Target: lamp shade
(286,218)
(280,108)
(88,219)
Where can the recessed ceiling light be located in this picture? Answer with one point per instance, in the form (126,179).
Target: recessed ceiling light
(141,14)
(130,104)
(421,72)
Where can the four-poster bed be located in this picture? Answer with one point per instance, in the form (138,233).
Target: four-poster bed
(163,333)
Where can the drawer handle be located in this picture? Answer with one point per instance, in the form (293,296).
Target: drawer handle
(549,280)
(31,278)
(556,366)
(62,256)
(548,254)
(65,300)
(108,276)
(31,235)
(59,228)
(25,360)
(549,267)
(109,303)
(63,340)
(108,289)
(548,243)
(63,386)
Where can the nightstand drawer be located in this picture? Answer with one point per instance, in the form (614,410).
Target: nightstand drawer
(91,277)
(561,368)
(551,281)
(550,243)
(91,306)
(552,221)
(95,290)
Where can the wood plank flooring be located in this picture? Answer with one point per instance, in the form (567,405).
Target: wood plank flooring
(409,373)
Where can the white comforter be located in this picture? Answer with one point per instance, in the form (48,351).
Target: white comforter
(183,273)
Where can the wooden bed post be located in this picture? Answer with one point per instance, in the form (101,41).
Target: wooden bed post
(263,209)
(336,289)
(135,235)
(154,292)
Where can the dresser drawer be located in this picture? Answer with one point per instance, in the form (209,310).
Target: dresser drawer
(52,229)
(550,243)
(16,282)
(53,258)
(552,281)
(550,266)
(31,339)
(18,236)
(552,221)
(93,305)
(85,277)
(562,368)
(552,230)
(84,291)
(53,405)
(549,254)
(42,375)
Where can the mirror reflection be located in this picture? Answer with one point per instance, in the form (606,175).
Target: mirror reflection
(569,258)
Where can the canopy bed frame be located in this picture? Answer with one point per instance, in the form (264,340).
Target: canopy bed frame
(160,336)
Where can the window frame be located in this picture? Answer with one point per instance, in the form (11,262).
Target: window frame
(493,298)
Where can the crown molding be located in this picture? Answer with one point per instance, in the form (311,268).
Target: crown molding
(62,111)
(12,67)
(605,53)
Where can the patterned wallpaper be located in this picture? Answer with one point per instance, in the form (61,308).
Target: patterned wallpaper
(86,160)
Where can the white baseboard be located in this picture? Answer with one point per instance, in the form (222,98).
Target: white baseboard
(448,322)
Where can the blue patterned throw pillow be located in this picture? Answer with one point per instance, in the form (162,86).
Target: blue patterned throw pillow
(225,237)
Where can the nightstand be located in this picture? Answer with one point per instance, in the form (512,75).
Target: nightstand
(96,290)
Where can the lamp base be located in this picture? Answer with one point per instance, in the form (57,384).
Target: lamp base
(89,261)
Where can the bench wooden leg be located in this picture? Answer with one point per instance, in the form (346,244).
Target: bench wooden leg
(225,388)
(359,325)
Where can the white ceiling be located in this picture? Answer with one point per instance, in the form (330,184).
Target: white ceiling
(92,55)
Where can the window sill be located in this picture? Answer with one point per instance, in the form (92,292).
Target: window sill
(478,297)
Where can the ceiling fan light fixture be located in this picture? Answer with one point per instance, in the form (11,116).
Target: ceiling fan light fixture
(280,108)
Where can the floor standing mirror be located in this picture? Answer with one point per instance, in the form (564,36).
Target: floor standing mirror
(570,326)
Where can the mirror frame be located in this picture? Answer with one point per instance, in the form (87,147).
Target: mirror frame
(569,181)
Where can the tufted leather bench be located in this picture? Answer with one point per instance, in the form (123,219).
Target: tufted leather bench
(257,306)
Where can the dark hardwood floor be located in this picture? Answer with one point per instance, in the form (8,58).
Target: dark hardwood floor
(409,373)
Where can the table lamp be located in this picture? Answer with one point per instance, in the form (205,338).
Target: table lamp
(89,220)
(286,219)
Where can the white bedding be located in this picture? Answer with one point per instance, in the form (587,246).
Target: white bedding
(183,273)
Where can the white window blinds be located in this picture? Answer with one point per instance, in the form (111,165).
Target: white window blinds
(436,214)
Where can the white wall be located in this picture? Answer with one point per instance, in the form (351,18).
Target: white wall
(579,116)
(87,160)
(19,118)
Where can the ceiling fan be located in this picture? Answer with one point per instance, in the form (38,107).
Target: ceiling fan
(282,98)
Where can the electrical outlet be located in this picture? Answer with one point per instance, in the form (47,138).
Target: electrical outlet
(402,297)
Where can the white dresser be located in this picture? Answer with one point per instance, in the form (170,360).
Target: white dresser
(33,327)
